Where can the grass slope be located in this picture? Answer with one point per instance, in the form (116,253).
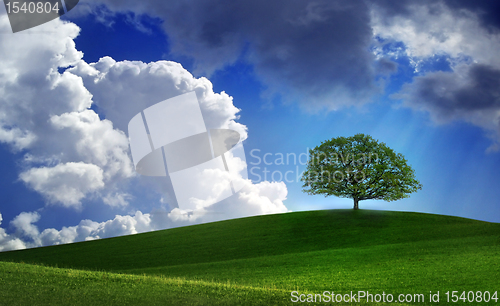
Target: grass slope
(264,258)
(23,284)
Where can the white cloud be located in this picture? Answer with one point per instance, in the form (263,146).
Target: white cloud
(123,89)
(252,200)
(67,183)
(8,242)
(25,227)
(97,142)
(117,199)
(46,115)
(436,29)
(70,153)
(124,225)
(17,138)
(85,230)
(265,197)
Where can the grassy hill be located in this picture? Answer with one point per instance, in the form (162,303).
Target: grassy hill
(260,260)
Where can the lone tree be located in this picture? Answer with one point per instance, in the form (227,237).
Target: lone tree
(360,168)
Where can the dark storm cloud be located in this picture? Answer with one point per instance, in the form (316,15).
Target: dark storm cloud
(472,89)
(298,48)
(487,10)
(316,52)
(385,66)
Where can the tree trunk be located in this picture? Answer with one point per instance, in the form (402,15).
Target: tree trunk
(356,205)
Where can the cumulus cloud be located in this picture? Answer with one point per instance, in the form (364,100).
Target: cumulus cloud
(123,89)
(27,235)
(70,153)
(253,199)
(97,142)
(8,242)
(65,183)
(24,226)
(17,138)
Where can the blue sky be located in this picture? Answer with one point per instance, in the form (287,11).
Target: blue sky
(422,78)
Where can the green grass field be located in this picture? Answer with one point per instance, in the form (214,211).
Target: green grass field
(261,260)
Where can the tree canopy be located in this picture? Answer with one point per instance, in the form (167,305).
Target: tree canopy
(358,167)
